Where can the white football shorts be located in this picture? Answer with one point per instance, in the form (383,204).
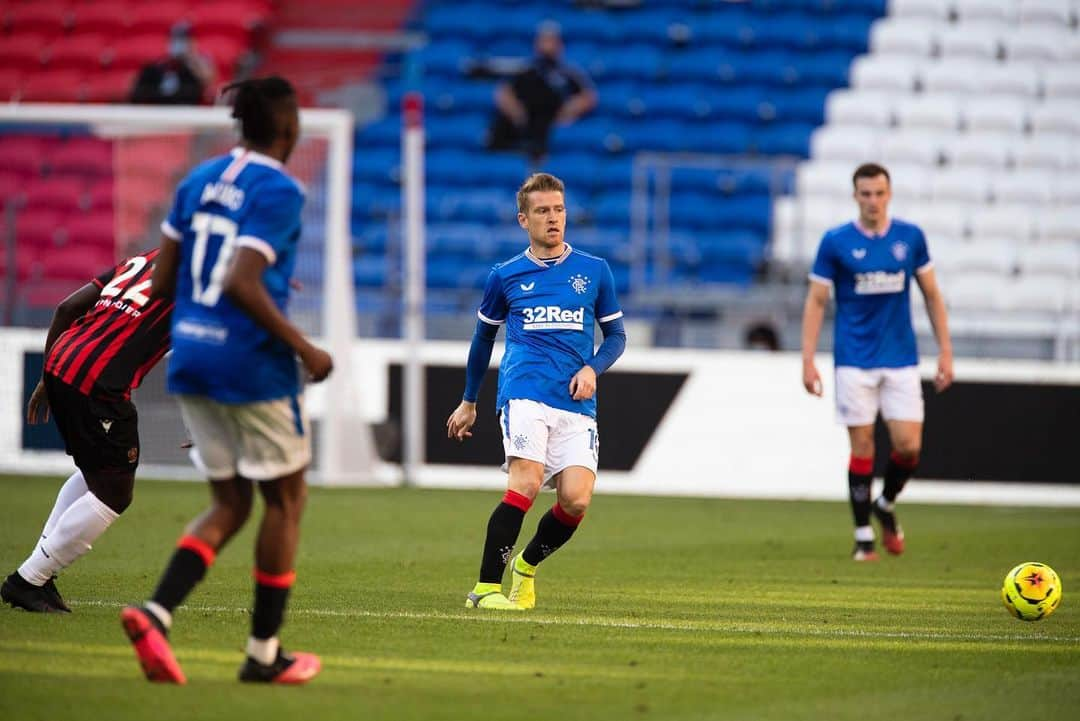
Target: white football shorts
(557,438)
(262,441)
(862,392)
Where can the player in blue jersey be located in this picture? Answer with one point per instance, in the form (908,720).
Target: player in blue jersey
(868,265)
(549,297)
(227,256)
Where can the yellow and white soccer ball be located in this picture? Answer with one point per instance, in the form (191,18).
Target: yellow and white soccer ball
(1031,591)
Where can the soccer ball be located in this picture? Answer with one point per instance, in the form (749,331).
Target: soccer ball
(1031,591)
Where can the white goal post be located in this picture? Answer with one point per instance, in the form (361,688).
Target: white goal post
(346,454)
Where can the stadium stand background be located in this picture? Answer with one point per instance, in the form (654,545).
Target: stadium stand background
(781,98)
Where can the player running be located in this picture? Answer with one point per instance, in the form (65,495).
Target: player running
(549,297)
(104,338)
(869,264)
(227,254)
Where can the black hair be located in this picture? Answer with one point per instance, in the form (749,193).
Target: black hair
(870,170)
(256,105)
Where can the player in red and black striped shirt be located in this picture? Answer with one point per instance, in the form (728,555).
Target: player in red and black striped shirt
(103,340)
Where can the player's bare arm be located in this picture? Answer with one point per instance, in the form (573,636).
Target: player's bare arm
(163,279)
(70,309)
(939,319)
(459,424)
(244,286)
(817,297)
(583,384)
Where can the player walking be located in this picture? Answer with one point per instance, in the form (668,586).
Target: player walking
(869,264)
(104,338)
(549,297)
(228,250)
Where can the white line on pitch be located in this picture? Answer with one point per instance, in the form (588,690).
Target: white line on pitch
(619,623)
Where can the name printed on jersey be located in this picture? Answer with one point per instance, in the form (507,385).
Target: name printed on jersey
(879,282)
(201,332)
(553,317)
(224,193)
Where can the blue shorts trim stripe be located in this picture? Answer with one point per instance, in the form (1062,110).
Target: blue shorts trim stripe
(297,418)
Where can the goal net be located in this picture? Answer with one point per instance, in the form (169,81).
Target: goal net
(95,183)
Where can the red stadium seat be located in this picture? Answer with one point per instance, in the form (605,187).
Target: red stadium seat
(75,263)
(26,264)
(110,86)
(40,228)
(10,84)
(101,194)
(236,19)
(84,51)
(45,17)
(82,156)
(22,52)
(11,187)
(54,86)
(21,154)
(138,50)
(93,230)
(65,195)
(105,17)
(224,50)
(158,17)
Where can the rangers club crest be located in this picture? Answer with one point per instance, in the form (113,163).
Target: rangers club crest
(899,251)
(521,441)
(579,283)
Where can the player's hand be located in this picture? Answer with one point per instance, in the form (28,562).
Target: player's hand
(811,379)
(317,363)
(37,410)
(460,422)
(944,377)
(583,384)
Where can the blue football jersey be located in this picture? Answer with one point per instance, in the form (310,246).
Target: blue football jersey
(871,279)
(244,199)
(550,312)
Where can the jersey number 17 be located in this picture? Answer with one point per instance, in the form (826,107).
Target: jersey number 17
(205,225)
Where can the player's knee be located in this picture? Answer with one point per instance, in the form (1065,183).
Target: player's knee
(575,506)
(908,449)
(114,490)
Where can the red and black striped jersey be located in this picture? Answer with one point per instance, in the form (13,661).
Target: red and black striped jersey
(107,351)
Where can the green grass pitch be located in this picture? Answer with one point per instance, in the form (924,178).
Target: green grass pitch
(667,608)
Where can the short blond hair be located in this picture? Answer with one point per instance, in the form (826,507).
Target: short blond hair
(537,181)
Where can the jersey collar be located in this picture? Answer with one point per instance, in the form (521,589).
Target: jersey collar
(258,158)
(873,236)
(565,254)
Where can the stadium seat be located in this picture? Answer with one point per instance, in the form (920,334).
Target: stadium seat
(885,73)
(44,17)
(40,227)
(1062,12)
(236,19)
(1063,191)
(1059,116)
(831,180)
(1058,225)
(1020,79)
(935,112)
(956,76)
(970,186)
(1062,82)
(74,262)
(54,86)
(101,194)
(981,150)
(158,17)
(941,220)
(1029,186)
(1050,152)
(996,11)
(1061,258)
(224,50)
(107,17)
(83,156)
(138,50)
(981,291)
(1001,113)
(914,37)
(858,107)
(915,146)
(844,144)
(65,195)
(987,255)
(11,82)
(1039,44)
(96,230)
(909,181)
(1012,221)
(972,40)
(109,86)
(1038,294)
(932,9)
(22,52)
(85,52)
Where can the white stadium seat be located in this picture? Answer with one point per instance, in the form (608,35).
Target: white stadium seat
(933,9)
(956,76)
(1060,258)
(832,180)
(964,185)
(1038,43)
(975,291)
(1022,186)
(1058,224)
(1036,293)
(858,107)
(885,72)
(1061,12)
(910,182)
(939,112)
(972,40)
(981,150)
(1064,190)
(995,256)
(1046,151)
(914,146)
(1056,116)
(1011,221)
(844,144)
(942,220)
(1062,81)
(1001,113)
(1001,11)
(1021,79)
(913,37)
(784,243)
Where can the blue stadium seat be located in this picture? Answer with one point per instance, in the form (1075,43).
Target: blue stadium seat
(739,104)
(806,105)
(730,247)
(379,165)
(457,131)
(719,137)
(727,25)
(848,32)
(645,25)
(633,62)
(459,96)
(444,58)
(591,134)
(385,132)
(371,239)
(370,271)
(826,69)
(612,210)
(619,98)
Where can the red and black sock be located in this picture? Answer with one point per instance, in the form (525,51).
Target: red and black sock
(271,595)
(897,473)
(502,532)
(186,568)
(555,528)
(860,474)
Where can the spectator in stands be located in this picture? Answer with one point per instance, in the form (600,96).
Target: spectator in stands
(180,78)
(762,336)
(546,92)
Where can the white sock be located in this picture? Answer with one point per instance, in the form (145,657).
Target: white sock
(263,650)
(885,505)
(864,533)
(160,613)
(72,536)
(71,491)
